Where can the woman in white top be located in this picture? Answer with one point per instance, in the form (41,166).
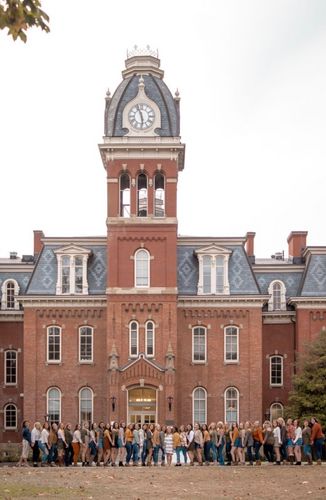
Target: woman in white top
(277,441)
(44,443)
(168,445)
(76,443)
(190,443)
(61,444)
(297,442)
(35,438)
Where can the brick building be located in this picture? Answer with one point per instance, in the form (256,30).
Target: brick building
(142,324)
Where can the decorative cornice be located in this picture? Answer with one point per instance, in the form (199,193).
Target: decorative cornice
(63,301)
(308,302)
(314,251)
(209,240)
(222,301)
(87,240)
(11,316)
(141,221)
(277,268)
(279,317)
(141,238)
(19,267)
(140,357)
(142,291)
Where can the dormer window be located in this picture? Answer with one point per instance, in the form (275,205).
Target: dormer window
(10,291)
(72,270)
(277,301)
(213,270)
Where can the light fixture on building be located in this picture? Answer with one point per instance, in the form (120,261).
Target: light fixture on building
(170,401)
(113,402)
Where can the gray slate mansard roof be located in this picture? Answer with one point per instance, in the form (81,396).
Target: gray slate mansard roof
(314,284)
(22,279)
(44,278)
(290,279)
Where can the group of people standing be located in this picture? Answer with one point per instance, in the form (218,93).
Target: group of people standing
(152,444)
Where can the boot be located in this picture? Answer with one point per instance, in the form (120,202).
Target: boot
(291,458)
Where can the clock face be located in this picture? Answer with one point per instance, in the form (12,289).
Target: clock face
(141,116)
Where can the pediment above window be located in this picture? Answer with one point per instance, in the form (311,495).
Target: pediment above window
(213,250)
(72,250)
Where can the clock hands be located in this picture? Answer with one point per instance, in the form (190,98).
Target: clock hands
(141,114)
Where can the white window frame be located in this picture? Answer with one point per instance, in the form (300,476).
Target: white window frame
(146,339)
(234,399)
(85,361)
(4,290)
(213,251)
(53,361)
(271,358)
(137,332)
(281,407)
(200,399)
(5,367)
(79,404)
(72,252)
(57,399)
(271,305)
(7,427)
(141,250)
(231,361)
(199,361)
(138,192)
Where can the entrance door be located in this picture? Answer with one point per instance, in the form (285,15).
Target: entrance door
(142,406)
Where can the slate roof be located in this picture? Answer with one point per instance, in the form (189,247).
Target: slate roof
(291,280)
(22,279)
(315,277)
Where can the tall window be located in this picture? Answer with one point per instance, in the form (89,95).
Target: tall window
(159,195)
(276,411)
(276,370)
(133,339)
(277,292)
(85,344)
(149,338)
(10,291)
(199,398)
(10,417)
(219,263)
(199,344)
(10,367)
(142,195)
(142,260)
(54,405)
(86,405)
(124,195)
(54,344)
(65,270)
(207,274)
(231,344)
(231,404)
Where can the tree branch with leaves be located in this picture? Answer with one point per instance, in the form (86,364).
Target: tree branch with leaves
(19,15)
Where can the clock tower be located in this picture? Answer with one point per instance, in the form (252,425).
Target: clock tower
(142,154)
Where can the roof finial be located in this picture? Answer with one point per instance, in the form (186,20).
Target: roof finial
(141,84)
(108,94)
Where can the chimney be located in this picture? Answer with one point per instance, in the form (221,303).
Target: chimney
(250,246)
(38,245)
(297,243)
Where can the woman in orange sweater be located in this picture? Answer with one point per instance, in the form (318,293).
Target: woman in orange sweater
(235,438)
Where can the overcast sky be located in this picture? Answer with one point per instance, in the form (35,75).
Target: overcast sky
(252,80)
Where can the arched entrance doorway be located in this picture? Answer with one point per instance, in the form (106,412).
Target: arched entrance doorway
(142,406)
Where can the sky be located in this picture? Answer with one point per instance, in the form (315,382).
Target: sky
(251,76)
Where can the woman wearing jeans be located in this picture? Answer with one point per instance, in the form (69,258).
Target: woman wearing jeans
(317,439)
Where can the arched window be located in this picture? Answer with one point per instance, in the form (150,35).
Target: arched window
(10,417)
(150,339)
(276,411)
(54,344)
(231,404)
(199,348)
(277,301)
(54,405)
(85,405)
(207,274)
(85,344)
(276,370)
(199,399)
(124,195)
(231,344)
(159,195)
(142,195)
(11,368)
(142,259)
(133,339)
(10,291)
